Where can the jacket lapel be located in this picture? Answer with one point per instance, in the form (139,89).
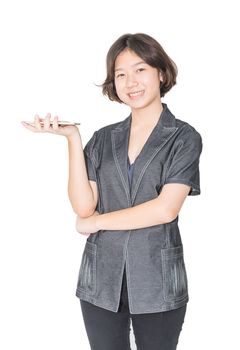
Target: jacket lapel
(120,139)
(162,132)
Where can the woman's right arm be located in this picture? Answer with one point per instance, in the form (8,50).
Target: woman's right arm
(83,193)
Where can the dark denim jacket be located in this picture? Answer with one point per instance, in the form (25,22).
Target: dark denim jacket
(155,269)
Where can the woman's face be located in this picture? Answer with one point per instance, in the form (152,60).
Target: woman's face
(137,83)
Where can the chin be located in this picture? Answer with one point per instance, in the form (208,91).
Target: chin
(138,105)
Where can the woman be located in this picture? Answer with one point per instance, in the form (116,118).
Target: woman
(127,188)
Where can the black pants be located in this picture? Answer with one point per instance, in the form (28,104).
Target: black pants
(108,330)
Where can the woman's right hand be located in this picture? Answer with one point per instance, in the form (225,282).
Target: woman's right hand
(66,130)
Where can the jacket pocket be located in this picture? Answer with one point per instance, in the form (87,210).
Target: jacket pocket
(174,274)
(87,273)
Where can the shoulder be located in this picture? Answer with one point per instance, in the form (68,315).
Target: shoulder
(106,130)
(187,133)
(102,136)
(115,126)
(183,129)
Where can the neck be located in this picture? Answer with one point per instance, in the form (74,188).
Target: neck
(148,116)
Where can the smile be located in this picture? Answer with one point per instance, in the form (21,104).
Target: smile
(136,94)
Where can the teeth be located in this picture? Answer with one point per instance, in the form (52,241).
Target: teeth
(136,93)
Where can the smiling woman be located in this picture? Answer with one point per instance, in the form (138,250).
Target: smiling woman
(144,167)
(127,187)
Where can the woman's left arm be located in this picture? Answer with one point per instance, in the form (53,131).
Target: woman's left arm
(160,210)
(181,179)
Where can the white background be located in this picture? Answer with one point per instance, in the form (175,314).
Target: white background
(52,55)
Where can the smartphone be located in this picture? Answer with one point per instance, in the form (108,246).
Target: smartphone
(60,123)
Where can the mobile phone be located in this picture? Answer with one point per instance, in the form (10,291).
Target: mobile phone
(60,123)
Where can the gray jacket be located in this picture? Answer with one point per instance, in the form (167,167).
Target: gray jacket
(155,269)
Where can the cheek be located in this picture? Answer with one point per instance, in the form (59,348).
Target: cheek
(119,87)
(119,92)
(153,82)
(152,79)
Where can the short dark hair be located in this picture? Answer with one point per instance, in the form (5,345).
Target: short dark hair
(150,51)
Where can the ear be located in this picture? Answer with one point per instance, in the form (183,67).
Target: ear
(161,76)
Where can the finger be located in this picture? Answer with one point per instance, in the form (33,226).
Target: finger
(37,123)
(84,233)
(55,124)
(46,124)
(29,127)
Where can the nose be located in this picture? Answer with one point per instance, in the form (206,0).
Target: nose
(131,81)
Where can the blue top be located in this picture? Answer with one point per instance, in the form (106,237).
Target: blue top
(124,293)
(130,172)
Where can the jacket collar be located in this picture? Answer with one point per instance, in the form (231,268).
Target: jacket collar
(162,132)
(166,119)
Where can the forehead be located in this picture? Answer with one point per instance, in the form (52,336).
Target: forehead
(127,58)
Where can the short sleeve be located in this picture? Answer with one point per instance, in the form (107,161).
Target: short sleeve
(184,165)
(89,158)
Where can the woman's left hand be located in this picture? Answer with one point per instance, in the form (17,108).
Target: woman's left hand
(86,226)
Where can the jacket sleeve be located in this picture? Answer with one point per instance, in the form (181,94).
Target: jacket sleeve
(184,165)
(89,158)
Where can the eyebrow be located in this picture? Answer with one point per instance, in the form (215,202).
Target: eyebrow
(135,64)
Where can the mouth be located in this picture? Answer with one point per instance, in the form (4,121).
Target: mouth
(136,94)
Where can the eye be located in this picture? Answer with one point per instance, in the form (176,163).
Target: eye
(140,69)
(120,75)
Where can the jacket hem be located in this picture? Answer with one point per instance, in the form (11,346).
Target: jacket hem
(91,300)
(165,306)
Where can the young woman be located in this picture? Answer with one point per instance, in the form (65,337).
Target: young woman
(127,187)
